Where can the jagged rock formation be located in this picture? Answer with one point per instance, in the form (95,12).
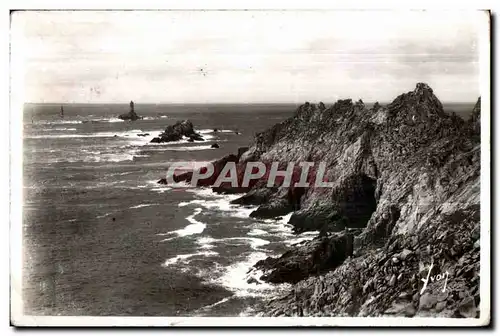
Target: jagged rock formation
(406,176)
(425,169)
(308,259)
(209,181)
(177,131)
(131,115)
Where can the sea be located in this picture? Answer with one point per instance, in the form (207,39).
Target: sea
(101,237)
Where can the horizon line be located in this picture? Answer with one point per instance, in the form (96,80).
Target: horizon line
(228,103)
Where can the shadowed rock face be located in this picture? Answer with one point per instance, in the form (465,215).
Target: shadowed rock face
(406,176)
(178,131)
(310,258)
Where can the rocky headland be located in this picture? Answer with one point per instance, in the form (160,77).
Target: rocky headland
(404,206)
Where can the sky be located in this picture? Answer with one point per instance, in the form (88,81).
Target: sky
(245,56)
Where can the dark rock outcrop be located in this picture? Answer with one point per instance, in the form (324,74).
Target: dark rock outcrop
(307,259)
(387,280)
(178,131)
(215,145)
(241,150)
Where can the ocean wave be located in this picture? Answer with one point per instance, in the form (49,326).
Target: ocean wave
(58,129)
(161,190)
(185,257)
(142,206)
(62,136)
(206,309)
(206,242)
(222,203)
(196,227)
(102,120)
(237,278)
(257,232)
(187,148)
(101,158)
(56,122)
(211,131)
(255,243)
(130,135)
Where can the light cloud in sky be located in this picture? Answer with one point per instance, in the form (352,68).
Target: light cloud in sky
(246,56)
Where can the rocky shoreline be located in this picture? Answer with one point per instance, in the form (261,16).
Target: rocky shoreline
(404,206)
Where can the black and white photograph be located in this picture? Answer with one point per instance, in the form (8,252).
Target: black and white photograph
(250,167)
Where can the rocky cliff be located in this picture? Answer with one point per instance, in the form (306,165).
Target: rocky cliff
(404,206)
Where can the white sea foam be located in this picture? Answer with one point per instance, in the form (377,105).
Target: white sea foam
(168,145)
(142,206)
(255,243)
(184,257)
(63,136)
(206,242)
(207,308)
(203,192)
(187,148)
(111,120)
(196,227)
(223,204)
(161,190)
(305,236)
(59,129)
(286,218)
(55,122)
(211,131)
(118,157)
(130,135)
(105,215)
(236,277)
(257,232)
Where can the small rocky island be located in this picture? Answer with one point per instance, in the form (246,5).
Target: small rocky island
(131,115)
(177,132)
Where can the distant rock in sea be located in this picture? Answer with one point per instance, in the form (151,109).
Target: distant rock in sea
(131,115)
(177,131)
